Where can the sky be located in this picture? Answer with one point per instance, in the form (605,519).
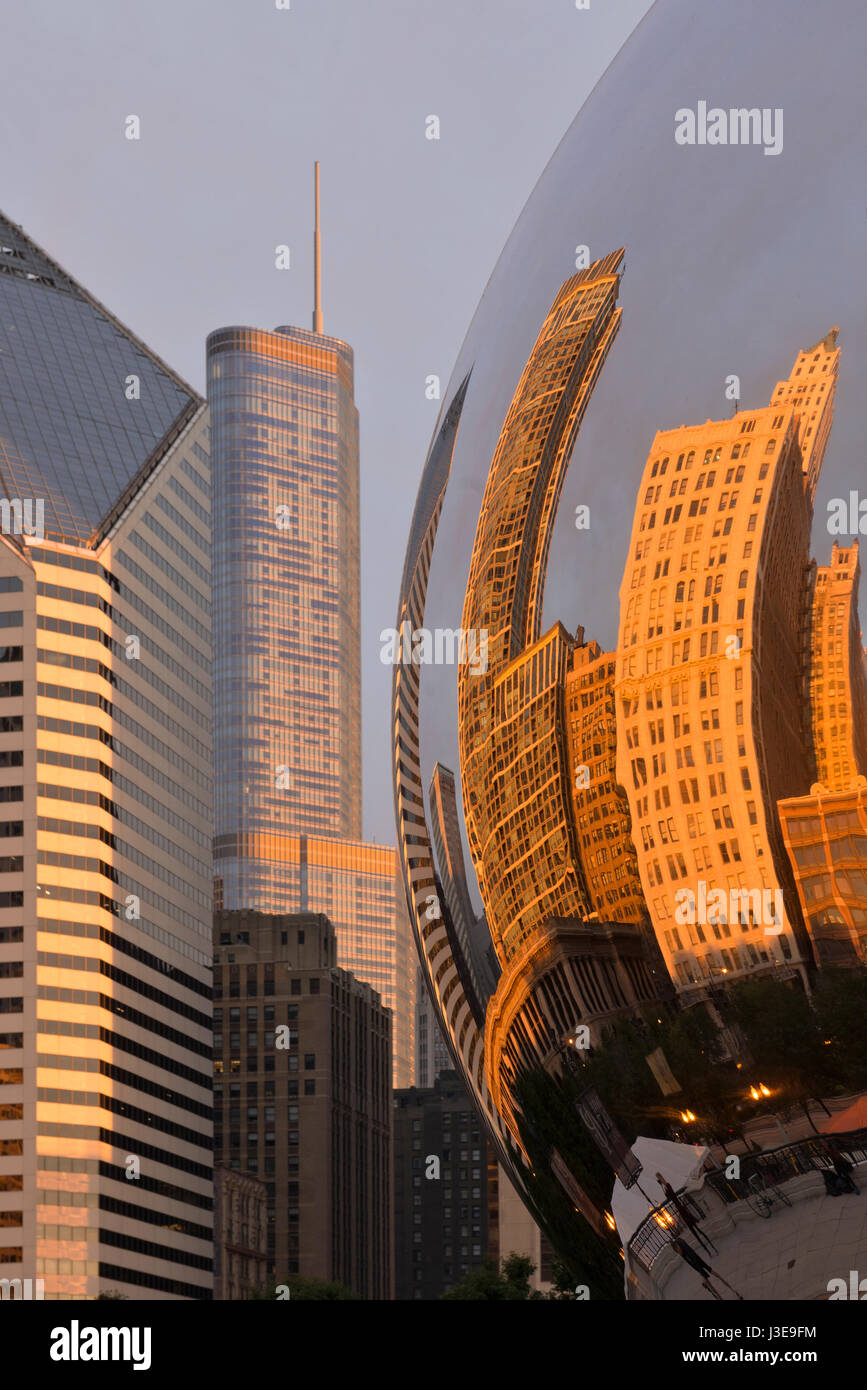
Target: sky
(176,232)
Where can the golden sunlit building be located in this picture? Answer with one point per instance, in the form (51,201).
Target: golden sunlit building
(601,807)
(810,390)
(711,727)
(826,836)
(826,831)
(517,802)
(560,967)
(836,682)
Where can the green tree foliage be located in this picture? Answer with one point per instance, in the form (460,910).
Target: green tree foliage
(511,1281)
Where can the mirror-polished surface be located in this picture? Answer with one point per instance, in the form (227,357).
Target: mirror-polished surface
(723,150)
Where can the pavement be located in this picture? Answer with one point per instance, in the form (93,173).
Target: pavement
(792,1255)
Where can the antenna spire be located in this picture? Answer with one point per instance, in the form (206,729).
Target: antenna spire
(317,258)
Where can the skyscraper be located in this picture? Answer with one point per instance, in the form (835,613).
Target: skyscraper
(287,672)
(441,1208)
(712,728)
(105,780)
(559,968)
(303,1095)
(286,603)
(513,781)
(431,1051)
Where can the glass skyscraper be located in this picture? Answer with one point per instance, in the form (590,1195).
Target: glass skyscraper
(288,656)
(105,801)
(286,604)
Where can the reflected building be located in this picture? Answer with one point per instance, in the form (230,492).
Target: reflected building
(287,672)
(712,728)
(431,1049)
(826,831)
(837,683)
(444,972)
(445,826)
(560,967)
(826,837)
(600,805)
(517,804)
(810,389)
(582,194)
(106,785)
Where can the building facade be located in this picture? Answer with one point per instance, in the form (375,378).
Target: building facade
(600,804)
(826,838)
(441,1160)
(471,931)
(302,1096)
(712,726)
(240,1235)
(105,778)
(517,1233)
(513,781)
(560,966)
(287,655)
(444,972)
(810,389)
(286,604)
(837,682)
(825,831)
(431,1051)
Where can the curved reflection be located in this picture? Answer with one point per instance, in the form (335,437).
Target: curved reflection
(621,826)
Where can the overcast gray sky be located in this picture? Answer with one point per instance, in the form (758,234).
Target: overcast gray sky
(175,232)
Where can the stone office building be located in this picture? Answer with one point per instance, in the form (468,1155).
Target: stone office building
(302,1091)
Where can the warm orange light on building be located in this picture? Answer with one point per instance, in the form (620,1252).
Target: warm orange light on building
(710,728)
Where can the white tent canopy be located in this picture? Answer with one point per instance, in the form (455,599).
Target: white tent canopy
(679,1164)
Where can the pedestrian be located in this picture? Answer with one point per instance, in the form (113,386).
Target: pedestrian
(701,1266)
(842,1166)
(684,1212)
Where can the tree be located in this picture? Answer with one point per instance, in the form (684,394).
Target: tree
(783,1035)
(562,1283)
(489,1283)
